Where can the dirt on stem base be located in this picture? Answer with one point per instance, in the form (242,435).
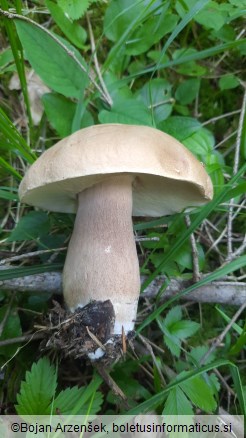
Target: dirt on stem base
(87,332)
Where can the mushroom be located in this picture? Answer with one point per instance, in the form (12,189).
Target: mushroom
(106,174)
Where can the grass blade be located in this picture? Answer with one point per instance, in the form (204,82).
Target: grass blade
(185,20)
(205,211)
(8,274)
(159,398)
(219,273)
(13,139)
(19,59)
(203,54)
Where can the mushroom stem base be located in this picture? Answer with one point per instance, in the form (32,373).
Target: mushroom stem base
(85,333)
(102,261)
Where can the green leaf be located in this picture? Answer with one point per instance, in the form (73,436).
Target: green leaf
(237,3)
(198,6)
(38,389)
(10,329)
(119,17)
(186,58)
(238,387)
(156,94)
(228,82)
(184,256)
(89,395)
(15,142)
(157,399)
(213,382)
(227,318)
(31,226)
(187,91)
(66,400)
(175,329)
(180,127)
(211,17)
(173,344)
(73,31)
(200,142)
(239,190)
(200,394)
(198,352)
(60,112)
(49,55)
(218,273)
(6,57)
(190,67)
(240,344)
(177,403)
(184,329)
(127,111)
(173,315)
(74,8)
(150,33)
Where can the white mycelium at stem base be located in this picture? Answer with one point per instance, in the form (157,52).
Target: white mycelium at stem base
(102,261)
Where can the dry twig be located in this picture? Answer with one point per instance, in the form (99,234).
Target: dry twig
(225,292)
(235,169)
(220,338)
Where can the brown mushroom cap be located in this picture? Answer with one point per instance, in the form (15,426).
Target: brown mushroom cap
(168,178)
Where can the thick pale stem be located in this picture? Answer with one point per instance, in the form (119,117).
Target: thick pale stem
(102,261)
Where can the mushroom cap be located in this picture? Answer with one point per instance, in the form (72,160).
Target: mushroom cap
(167,177)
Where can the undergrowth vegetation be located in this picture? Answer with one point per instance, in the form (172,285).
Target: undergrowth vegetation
(174,65)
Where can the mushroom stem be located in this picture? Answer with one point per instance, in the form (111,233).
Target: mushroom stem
(102,260)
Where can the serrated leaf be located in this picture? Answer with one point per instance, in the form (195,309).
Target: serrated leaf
(66,400)
(173,344)
(73,31)
(74,8)
(199,392)
(184,329)
(38,389)
(177,403)
(173,315)
(31,226)
(214,383)
(50,60)
(198,352)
